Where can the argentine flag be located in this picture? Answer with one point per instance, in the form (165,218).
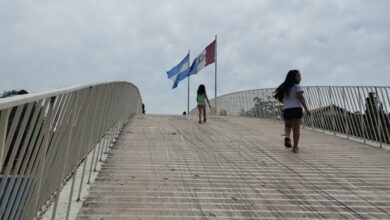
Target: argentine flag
(180,71)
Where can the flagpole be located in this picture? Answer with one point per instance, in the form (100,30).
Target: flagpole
(188,91)
(215,98)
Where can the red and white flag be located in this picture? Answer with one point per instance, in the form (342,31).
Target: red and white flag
(205,58)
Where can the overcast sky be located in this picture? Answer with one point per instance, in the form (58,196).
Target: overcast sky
(49,44)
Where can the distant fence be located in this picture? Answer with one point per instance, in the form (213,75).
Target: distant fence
(44,137)
(361,112)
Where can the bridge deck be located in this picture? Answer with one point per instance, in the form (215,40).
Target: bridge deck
(170,167)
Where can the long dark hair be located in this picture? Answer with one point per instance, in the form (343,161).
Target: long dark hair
(285,87)
(201,90)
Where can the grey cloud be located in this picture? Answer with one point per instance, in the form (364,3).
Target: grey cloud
(49,44)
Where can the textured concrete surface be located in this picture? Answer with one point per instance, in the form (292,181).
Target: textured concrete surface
(63,201)
(171,167)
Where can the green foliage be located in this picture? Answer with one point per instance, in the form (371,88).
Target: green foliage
(13,93)
(373,124)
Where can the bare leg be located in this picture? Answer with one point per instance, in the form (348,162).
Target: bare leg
(287,128)
(287,131)
(296,133)
(204,114)
(200,113)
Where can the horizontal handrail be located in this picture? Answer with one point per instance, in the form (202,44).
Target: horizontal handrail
(45,136)
(20,99)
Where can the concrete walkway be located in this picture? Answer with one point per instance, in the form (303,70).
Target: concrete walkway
(171,167)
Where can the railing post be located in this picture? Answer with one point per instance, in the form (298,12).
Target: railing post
(81,138)
(91,136)
(321,112)
(43,151)
(102,126)
(108,121)
(117,121)
(82,178)
(379,123)
(91,119)
(332,111)
(97,154)
(70,134)
(362,124)
(92,161)
(346,127)
(3,135)
(109,139)
(385,122)
(354,120)
(311,106)
(30,170)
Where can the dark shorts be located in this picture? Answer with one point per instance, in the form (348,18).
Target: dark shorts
(292,113)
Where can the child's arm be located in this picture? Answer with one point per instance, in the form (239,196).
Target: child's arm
(303,101)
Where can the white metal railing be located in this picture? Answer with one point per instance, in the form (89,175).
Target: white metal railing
(45,137)
(351,111)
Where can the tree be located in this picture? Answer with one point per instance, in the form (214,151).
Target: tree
(376,120)
(11,119)
(266,108)
(13,93)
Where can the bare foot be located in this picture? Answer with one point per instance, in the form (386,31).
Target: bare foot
(295,150)
(287,142)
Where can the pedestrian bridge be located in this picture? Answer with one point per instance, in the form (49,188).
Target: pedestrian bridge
(171,167)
